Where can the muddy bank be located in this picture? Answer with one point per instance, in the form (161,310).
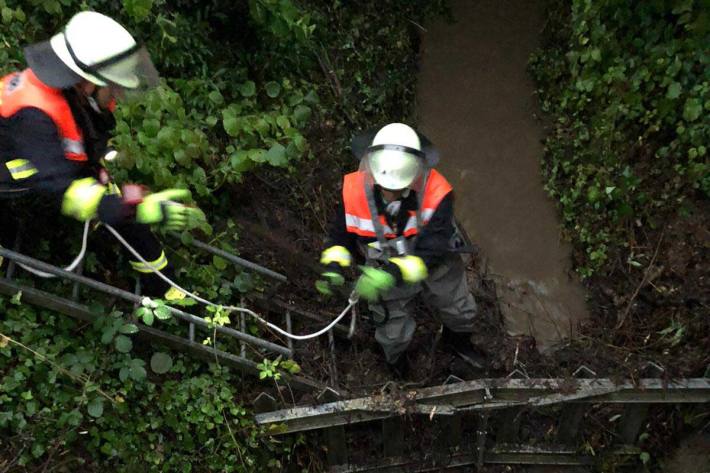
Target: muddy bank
(476,102)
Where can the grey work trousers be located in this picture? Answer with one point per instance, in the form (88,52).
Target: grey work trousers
(445,289)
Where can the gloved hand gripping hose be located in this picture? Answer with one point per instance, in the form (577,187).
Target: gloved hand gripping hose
(352,300)
(163,208)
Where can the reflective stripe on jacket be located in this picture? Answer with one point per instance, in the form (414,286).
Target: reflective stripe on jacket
(21,90)
(357,212)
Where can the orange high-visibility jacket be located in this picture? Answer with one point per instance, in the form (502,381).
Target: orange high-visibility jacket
(21,90)
(357,213)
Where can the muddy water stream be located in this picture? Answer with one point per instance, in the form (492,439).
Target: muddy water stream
(476,103)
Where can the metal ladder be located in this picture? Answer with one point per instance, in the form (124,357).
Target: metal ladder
(474,423)
(72,307)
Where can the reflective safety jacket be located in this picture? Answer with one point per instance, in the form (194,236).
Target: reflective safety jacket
(354,228)
(50,142)
(358,218)
(22,90)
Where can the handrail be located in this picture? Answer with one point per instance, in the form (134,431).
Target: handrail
(79,311)
(489,394)
(234,259)
(114,291)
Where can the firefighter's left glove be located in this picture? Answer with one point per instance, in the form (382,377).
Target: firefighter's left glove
(410,269)
(328,280)
(163,208)
(374,283)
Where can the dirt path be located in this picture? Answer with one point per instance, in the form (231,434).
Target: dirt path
(475,101)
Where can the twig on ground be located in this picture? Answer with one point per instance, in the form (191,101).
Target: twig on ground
(80,379)
(234,439)
(624,315)
(8,466)
(417,25)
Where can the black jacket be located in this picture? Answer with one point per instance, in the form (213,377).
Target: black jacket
(32,135)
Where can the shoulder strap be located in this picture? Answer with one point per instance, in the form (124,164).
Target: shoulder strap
(375,216)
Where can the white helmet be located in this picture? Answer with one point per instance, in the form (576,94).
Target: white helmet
(93,47)
(395,158)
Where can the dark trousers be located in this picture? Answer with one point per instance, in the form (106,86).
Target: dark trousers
(33,218)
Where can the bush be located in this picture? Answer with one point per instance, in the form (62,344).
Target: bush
(627,88)
(246,86)
(64,396)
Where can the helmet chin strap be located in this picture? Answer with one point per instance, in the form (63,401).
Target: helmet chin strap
(93,101)
(393,207)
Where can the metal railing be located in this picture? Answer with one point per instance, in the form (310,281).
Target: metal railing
(71,307)
(489,411)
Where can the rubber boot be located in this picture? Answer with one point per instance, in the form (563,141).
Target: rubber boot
(460,344)
(153,286)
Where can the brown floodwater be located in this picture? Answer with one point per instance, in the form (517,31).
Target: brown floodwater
(477,104)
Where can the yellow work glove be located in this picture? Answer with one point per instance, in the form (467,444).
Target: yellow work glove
(163,209)
(412,268)
(82,198)
(334,258)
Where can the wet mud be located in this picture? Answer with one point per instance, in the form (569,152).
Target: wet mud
(477,104)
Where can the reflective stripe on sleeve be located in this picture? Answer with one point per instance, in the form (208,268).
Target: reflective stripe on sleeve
(20,169)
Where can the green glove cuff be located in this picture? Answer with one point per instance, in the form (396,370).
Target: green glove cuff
(149,211)
(335,279)
(324,287)
(330,279)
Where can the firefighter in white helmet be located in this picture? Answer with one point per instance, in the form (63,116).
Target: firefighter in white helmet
(397,216)
(55,123)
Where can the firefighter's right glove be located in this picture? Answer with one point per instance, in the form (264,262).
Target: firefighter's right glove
(374,283)
(82,198)
(334,258)
(163,209)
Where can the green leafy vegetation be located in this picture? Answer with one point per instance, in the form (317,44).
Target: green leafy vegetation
(249,88)
(627,89)
(62,387)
